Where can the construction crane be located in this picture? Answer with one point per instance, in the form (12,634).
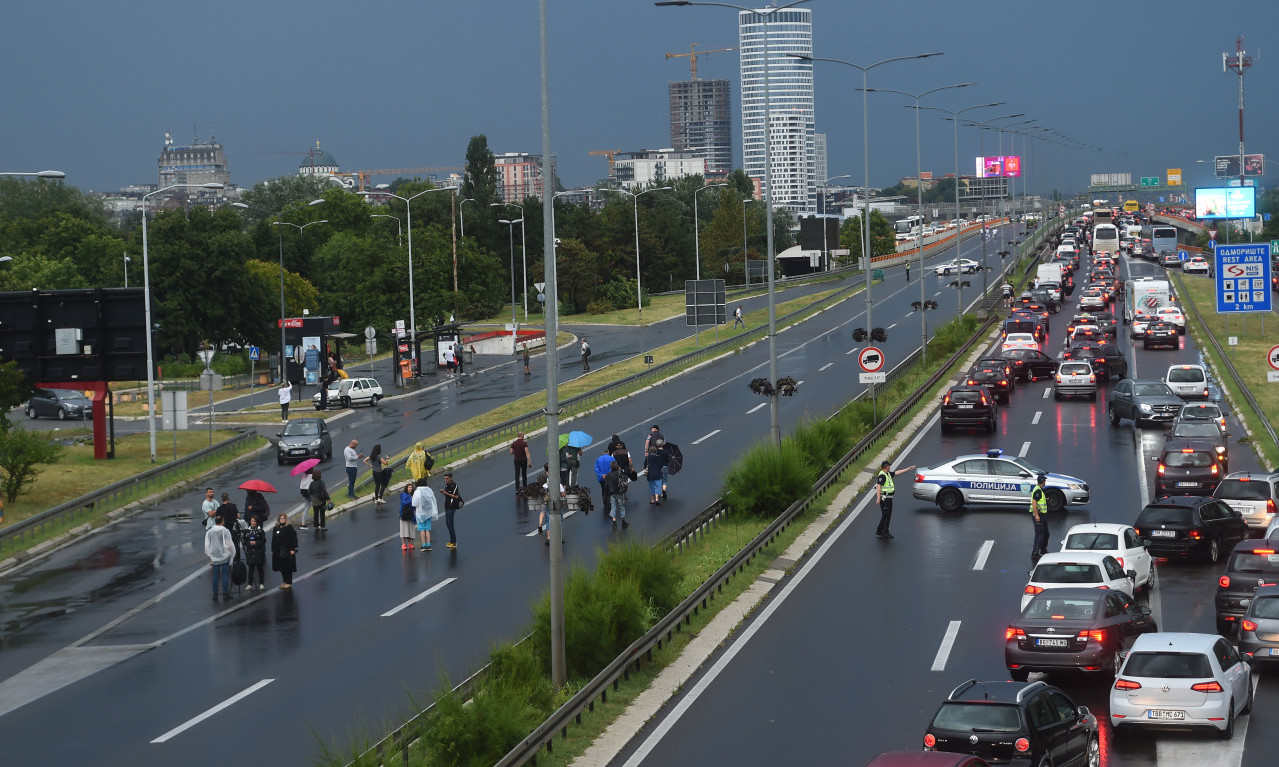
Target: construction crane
(609,153)
(693,54)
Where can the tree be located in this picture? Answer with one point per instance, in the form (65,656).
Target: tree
(276,194)
(883,239)
(14,390)
(299,293)
(22,452)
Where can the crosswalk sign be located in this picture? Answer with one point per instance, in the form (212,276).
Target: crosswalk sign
(255,353)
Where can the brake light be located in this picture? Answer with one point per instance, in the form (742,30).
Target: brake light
(1097,635)
(1012,631)
(1247,625)
(983,399)
(1270,506)
(1187,450)
(919,478)
(1104,587)
(929,740)
(1058,617)
(1195,535)
(1263,551)
(1127,684)
(1160,470)
(946,399)
(1224,581)
(1092,378)
(1022,745)
(1059,378)
(1033,589)
(1207,687)
(1214,470)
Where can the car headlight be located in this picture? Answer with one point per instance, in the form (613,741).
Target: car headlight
(315,443)
(1144,408)
(1075,486)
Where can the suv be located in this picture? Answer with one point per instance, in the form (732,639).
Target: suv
(1203,431)
(1187,467)
(1252,564)
(1160,333)
(994,379)
(966,405)
(1004,722)
(1253,495)
(304,438)
(349,392)
(1187,381)
(1075,378)
(1190,526)
(1142,401)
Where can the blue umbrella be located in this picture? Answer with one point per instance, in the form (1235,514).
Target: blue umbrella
(579,439)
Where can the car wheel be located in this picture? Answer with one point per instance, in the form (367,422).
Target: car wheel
(373,400)
(1247,704)
(1229,731)
(1018,674)
(1094,752)
(950,500)
(279,460)
(1114,417)
(328,454)
(31,413)
(1056,501)
(62,414)
(1056,394)
(1214,551)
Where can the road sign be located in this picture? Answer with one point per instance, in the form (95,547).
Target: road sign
(1212,243)
(1243,278)
(871,359)
(206,356)
(1232,340)
(1212,234)
(1150,181)
(540,287)
(1272,356)
(1274,247)
(370,347)
(255,353)
(1183,255)
(872,378)
(370,333)
(1272,376)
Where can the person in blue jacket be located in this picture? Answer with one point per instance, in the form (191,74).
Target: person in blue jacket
(603,465)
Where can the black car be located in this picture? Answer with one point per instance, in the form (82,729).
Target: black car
(1025,325)
(1143,401)
(1074,629)
(968,406)
(60,404)
(1160,333)
(1030,364)
(1204,431)
(1015,723)
(1045,298)
(1086,318)
(994,379)
(1251,564)
(1186,526)
(1187,467)
(1086,351)
(998,362)
(304,438)
(1109,325)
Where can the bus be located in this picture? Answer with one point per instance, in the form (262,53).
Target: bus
(1131,206)
(1103,216)
(1105,239)
(909,228)
(1163,239)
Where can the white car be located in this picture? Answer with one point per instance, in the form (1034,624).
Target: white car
(1076,569)
(1196,265)
(1020,341)
(349,392)
(1092,298)
(1119,541)
(1172,315)
(956,266)
(1182,681)
(1187,381)
(1139,322)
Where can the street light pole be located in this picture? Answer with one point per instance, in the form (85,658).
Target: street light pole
(697,242)
(639,293)
(746,266)
(981,126)
(43,174)
(510,225)
(126,270)
(399,228)
(523,251)
(461,220)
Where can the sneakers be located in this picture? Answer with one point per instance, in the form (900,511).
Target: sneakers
(451,545)
(625,523)
(261,586)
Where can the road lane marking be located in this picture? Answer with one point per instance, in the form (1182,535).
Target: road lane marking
(1047,392)
(947,644)
(799,383)
(851,351)
(418,598)
(1025,448)
(823,367)
(983,554)
(231,701)
(908,315)
(1038,414)
(700,440)
(564,515)
(757,407)
(890,327)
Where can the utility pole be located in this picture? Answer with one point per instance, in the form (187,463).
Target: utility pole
(1238,63)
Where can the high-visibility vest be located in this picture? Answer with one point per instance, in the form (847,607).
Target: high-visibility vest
(888,488)
(1037,494)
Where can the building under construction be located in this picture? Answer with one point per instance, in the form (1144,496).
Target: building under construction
(701,123)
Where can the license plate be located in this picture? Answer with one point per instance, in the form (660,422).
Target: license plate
(1187,484)
(1272,651)
(1163,533)
(965,407)
(297,451)
(1063,642)
(1163,713)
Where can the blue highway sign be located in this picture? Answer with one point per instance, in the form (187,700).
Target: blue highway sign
(1212,243)
(1183,255)
(1243,278)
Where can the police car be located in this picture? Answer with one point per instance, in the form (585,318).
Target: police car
(994,479)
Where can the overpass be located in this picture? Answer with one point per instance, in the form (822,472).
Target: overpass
(1185,224)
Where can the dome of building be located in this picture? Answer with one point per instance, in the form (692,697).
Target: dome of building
(319,159)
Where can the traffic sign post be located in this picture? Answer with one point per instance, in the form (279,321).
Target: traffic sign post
(1243,278)
(1183,255)
(1150,181)
(1272,357)
(871,361)
(1274,247)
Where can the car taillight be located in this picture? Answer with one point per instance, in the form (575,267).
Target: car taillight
(1195,535)
(1022,745)
(1247,625)
(1092,378)
(919,477)
(1270,506)
(1097,635)
(1013,631)
(1207,687)
(1127,684)
(1224,581)
(1059,378)
(946,400)
(1263,551)
(929,740)
(1215,470)
(983,400)
(1160,470)
(1104,587)
(1033,589)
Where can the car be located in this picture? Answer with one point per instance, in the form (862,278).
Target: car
(61,404)
(1023,322)
(1181,681)
(304,438)
(1015,723)
(1190,526)
(1140,321)
(1203,431)
(966,406)
(1074,629)
(1187,467)
(1020,341)
(994,479)
(1079,320)
(1091,333)
(1259,627)
(1195,265)
(994,379)
(1075,378)
(1044,298)
(1160,333)
(1170,259)
(1252,494)
(1054,289)
(1090,569)
(956,266)
(1000,363)
(1119,541)
(1109,325)
(1187,381)
(926,759)
(349,392)
(1250,566)
(1030,364)
(1086,351)
(1173,316)
(1092,298)
(1207,411)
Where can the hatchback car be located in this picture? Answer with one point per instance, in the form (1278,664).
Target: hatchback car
(1253,495)
(1160,333)
(304,438)
(1259,626)
(1142,401)
(998,362)
(1203,431)
(1173,316)
(1250,566)
(1170,259)
(1207,411)
(1181,681)
(61,404)
(1119,541)
(350,392)
(1195,265)
(1015,723)
(1187,467)
(1140,321)
(1188,526)
(1064,569)
(1030,364)
(967,406)
(1187,381)
(1020,341)
(1075,379)
(1092,298)
(1074,629)
(994,379)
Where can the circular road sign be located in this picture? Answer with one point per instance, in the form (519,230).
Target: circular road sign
(370,333)
(1183,255)
(1272,356)
(871,359)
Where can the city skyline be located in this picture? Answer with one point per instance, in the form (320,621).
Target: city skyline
(91,90)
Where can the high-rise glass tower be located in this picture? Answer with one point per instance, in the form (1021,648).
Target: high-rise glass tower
(791,94)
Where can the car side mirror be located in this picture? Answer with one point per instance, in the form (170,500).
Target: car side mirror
(279,434)
(1145,610)
(1083,712)
(1145,542)
(1132,575)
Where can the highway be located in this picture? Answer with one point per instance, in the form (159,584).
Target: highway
(117,633)
(854,653)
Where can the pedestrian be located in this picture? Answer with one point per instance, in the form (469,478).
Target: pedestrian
(352,458)
(586,355)
(219,548)
(623,457)
(286,396)
(320,500)
(255,553)
(737,318)
(450,360)
(522,456)
(284,550)
(419,464)
(603,465)
(255,506)
(424,511)
(617,483)
(452,502)
(907,271)
(613,444)
(654,463)
(407,517)
(229,513)
(209,507)
(304,487)
(459,360)
(526,371)
(570,462)
(380,464)
(884,490)
(653,437)
(1039,511)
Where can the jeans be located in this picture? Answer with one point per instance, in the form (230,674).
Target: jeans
(317,515)
(284,411)
(617,507)
(350,481)
(222,573)
(521,474)
(448,520)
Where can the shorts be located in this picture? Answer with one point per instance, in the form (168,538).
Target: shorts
(424,525)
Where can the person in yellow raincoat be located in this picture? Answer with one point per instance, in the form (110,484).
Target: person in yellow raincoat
(419,464)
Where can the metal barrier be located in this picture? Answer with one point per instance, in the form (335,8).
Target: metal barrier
(114,495)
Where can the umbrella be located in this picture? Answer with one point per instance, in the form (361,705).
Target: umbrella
(261,486)
(578,439)
(675,460)
(305,466)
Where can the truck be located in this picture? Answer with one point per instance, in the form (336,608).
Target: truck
(1145,295)
(1049,273)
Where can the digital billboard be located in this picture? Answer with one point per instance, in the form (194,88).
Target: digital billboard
(1227,202)
(995,167)
(1227,166)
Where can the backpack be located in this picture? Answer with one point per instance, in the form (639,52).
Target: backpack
(239,572)
(586,350)
(429,463)
(406,512)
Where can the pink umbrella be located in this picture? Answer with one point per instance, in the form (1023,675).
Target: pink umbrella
(305,466)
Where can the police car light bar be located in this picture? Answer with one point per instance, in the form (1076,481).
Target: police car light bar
(994,452)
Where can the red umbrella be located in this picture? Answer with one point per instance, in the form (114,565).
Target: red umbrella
(257,484)
(305,466)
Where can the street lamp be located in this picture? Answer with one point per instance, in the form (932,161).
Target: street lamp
(825,208)
(523,251)
(126,270)
(461,220)
(745,251)
(146,299)
(981,126)
(697,242)
(399,226)
(511,236)
(40,174)
(866,254)
(639,293)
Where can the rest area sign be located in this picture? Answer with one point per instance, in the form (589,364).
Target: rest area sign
(1243,278)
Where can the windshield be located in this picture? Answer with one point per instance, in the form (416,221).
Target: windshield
(977,717)
(1048,607)
(1028,466)
(1266,607)
(1152,390)
(1243,490)
(67,395)
(1248,562)
(1205,430)
(1092,541)
(1067,573)
(302,429)
(1168,665)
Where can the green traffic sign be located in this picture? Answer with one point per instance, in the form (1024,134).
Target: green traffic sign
(1150,181)
(1274,247)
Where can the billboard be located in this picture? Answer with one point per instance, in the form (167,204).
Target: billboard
(1174,177)
(1226,202)
(1002,166)
(1110,179)
(1227,166)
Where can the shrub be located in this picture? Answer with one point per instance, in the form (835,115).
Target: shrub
(766,481)
(821,442)
(655,571)
(602,616)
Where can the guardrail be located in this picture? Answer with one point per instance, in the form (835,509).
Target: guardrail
(113,495)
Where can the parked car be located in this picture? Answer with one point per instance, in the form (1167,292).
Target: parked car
(61,404)
(304,438)
(349,392)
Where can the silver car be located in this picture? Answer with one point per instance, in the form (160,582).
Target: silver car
(1181,681)
(1253,495)
(994,479)
(1259,627)
(1075,378)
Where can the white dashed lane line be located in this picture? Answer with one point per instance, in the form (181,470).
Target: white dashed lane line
(851,351)
(1047,392)
(409,603)
(231,701)
(1025,448)
(947,644)
(700,440)
(823,367)
(1038,414)
(983,554)
(757,407)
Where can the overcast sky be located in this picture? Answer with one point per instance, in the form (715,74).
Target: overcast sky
(90,88)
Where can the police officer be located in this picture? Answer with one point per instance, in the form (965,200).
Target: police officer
(884,494)
(1039,510)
